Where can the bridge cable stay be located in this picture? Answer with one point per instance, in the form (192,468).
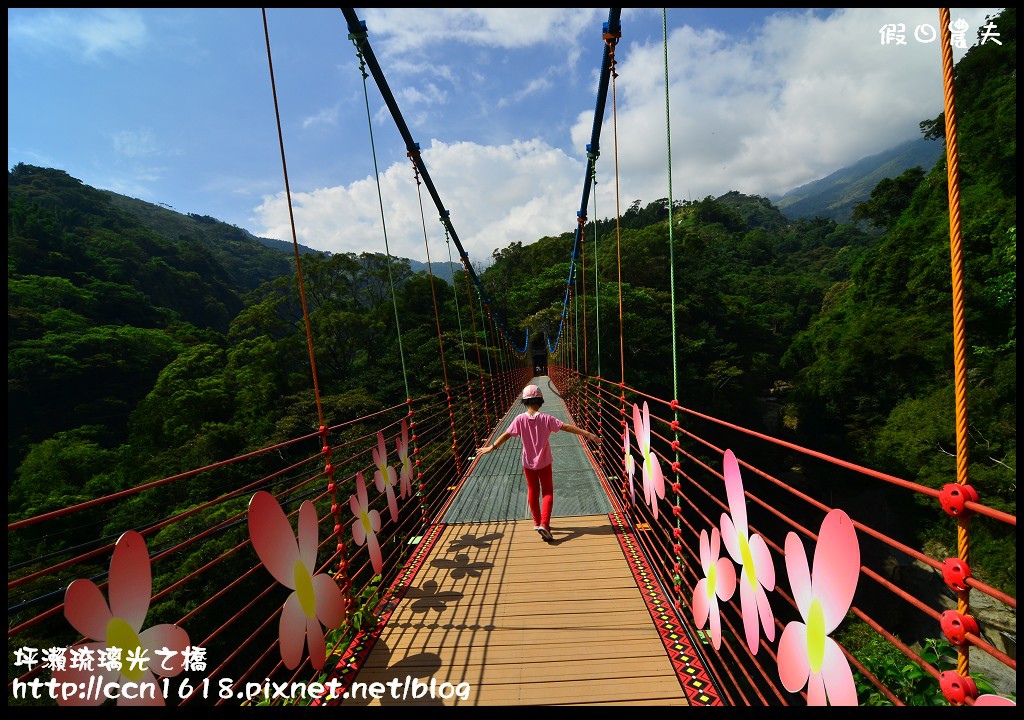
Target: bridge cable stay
(677,458)
(597,279)
(471,305)
(959,344)
(358,34)
(437,318)
(611,28)
(342,572)
(409,424)
(462,339)
(611,38)
(474,299)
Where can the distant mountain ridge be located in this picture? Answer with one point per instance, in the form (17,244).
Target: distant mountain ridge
(835,195)
(218,235)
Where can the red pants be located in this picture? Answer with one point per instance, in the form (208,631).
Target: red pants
(540,495)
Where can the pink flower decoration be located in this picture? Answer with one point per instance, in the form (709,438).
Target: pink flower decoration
(807,656)
(654,481)
(719,582)
(384,476)
(119,625)
(994,700)
(405,477)
(317,598)
(367,523)
(630,464)
(758,570)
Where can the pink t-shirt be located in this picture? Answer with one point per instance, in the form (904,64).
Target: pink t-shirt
(535,431)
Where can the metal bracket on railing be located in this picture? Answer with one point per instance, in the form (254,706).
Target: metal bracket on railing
(954,496)
(955,572)
(956,687)
(955,626)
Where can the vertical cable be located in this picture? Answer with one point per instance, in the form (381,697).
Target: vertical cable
(959,345)
(341,576)
(677,578)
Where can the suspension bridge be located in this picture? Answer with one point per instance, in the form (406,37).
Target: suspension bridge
(380,561)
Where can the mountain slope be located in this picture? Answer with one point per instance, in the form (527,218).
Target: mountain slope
(835,195)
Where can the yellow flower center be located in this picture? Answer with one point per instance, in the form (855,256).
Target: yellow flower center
(304,589)
(121,635)
(748,562)
(815,635)
(364,518)
(712,572)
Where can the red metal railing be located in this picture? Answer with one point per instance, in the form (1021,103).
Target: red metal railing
(905,599)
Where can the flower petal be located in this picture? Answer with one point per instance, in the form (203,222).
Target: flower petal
(169,637)
(131,580)
(273,538)
(392,500)
(361,496)
(701,602)
(317,646)
(764,610)
(308,535)
(716,625)
(86,609)
(994,700)
(837,676)
(762,561)
(373,546)
(799,573)
(725,579)
(731,538)
(734,491)
(706,558)
(836,567)
(794,666)
(748,608)
(292,630)
(816,696)
(330,604)
(657,476)
(358,531)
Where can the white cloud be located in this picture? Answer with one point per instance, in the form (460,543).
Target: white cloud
(780,105)
(530,191)
(87,32)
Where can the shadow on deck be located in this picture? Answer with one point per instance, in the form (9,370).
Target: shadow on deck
(487,613)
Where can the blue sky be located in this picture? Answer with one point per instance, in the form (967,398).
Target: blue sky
(175,106)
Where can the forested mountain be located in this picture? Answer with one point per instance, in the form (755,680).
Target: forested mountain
(138,348)
(836,195)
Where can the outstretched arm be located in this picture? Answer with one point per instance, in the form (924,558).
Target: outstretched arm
(579,431)
(497,443)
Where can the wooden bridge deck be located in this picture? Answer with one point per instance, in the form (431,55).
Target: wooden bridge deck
(487,613)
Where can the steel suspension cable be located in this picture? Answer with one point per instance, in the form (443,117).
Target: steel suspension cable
(597,279)
(611,39)
(414,154)
(462,339)
(677,579)
(959,345)
(342,573)
(476,341)
(359,41)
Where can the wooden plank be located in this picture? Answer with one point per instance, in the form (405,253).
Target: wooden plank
(522,622)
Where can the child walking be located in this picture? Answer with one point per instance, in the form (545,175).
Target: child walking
(535,427)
